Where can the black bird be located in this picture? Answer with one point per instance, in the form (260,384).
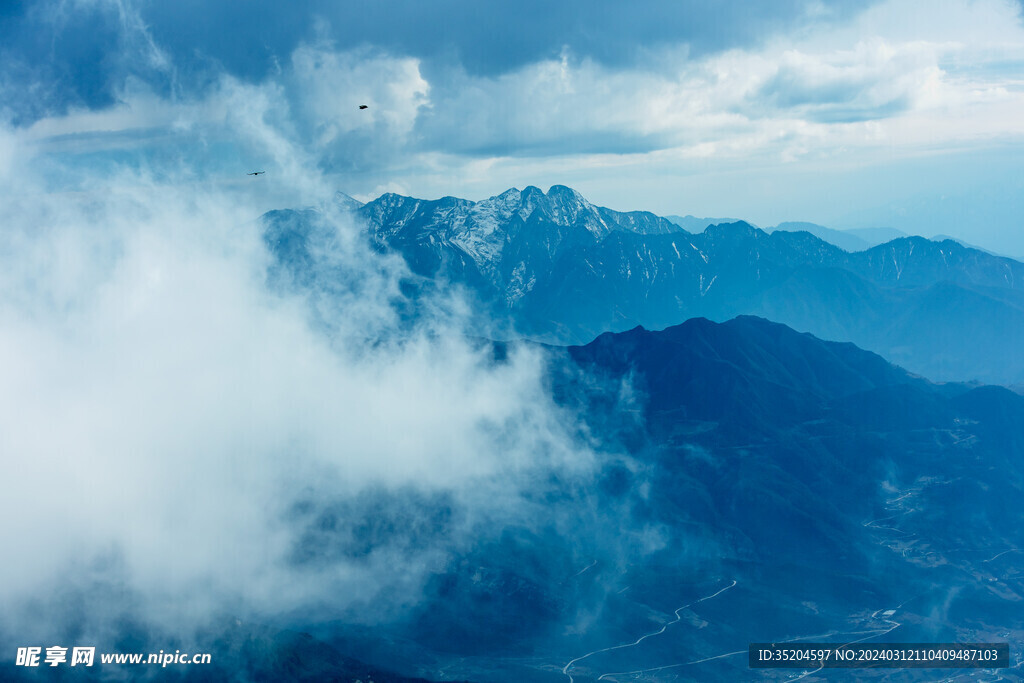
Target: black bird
(364,106)
(255,173)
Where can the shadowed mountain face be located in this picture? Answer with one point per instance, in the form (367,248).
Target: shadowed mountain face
(831,480)
(561,270)
(754,484)
(786,488)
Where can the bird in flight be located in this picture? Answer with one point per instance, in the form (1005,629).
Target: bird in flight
(255,173)
(364,106)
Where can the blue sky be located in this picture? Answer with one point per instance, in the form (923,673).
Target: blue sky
(898,113)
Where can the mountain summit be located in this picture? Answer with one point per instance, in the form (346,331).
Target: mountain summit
(510,240)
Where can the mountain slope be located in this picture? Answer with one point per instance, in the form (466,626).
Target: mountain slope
(833,483)
(755,484)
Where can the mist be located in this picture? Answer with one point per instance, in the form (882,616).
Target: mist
(173,421)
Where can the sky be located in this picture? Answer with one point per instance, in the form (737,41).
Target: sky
(895,113)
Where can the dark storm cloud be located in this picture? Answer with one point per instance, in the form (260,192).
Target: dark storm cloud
(77,53)
(487,38)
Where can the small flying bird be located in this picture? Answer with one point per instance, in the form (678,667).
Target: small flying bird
(364,106)
(255,173)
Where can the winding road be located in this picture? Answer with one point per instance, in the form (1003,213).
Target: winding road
(565,669)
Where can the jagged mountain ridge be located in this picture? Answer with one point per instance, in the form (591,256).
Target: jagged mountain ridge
(562,270)
(490,231)
(506,238)
(697,224)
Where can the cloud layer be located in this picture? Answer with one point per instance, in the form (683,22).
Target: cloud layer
(164,411)
(670,108)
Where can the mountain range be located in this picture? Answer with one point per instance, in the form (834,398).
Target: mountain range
(846,241)
(555,268)
(750,482)
(755,485)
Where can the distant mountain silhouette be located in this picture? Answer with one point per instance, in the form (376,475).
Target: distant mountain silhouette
(840,238)
(876,236)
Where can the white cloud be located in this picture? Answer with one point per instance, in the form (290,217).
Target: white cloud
(330,86)
(831,89)
(161,406)
(787,86)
